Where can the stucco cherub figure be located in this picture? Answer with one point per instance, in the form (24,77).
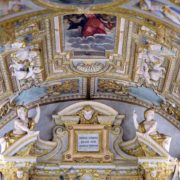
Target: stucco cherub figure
(149,127)
(22,125)
(88,115)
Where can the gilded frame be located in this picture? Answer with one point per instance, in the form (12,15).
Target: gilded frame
(72,155)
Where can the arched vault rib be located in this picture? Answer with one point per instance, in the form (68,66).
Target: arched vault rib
(59,92)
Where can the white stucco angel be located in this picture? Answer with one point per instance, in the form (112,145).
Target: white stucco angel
(22,125)
(24,64)
(19,43)
(18,66)
(157,71)
(149,127)
(25,74)
(24,70)
(151,75)
(144,72)
(88,113)
(26,54)
(151,68)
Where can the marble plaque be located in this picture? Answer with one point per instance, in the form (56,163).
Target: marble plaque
(88,142)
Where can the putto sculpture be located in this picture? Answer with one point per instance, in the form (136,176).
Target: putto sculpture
(148,127)
(152,60)
(88,115)
(22,125)
(23,64)
(25,67)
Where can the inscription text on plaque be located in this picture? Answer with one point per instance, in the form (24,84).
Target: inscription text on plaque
(88,142)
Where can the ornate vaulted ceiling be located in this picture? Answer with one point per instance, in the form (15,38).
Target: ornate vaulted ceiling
(113,49)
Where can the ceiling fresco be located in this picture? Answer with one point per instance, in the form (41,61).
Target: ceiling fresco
(89,34)
(78,2)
